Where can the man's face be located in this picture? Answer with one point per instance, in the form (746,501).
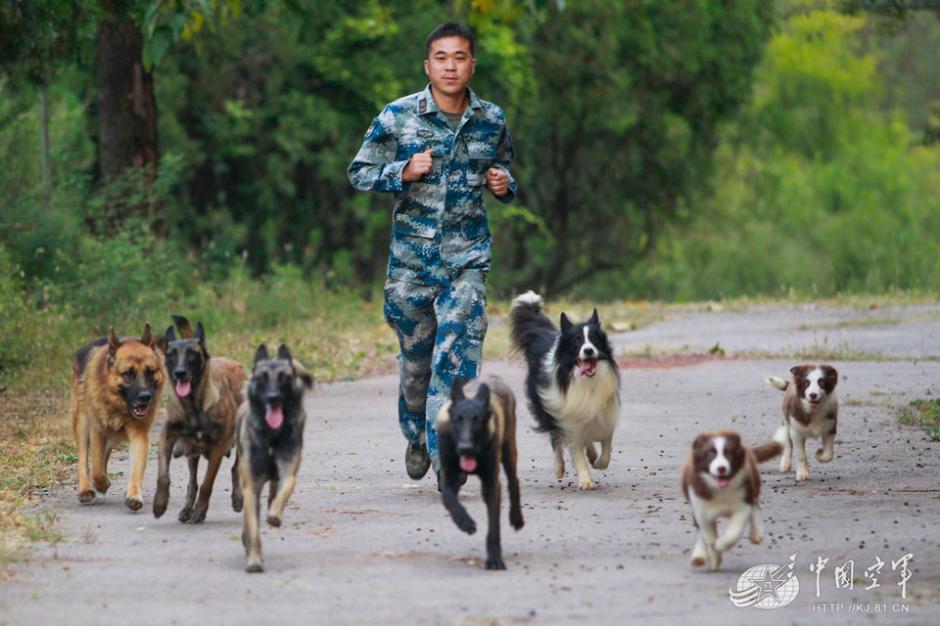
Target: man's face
(450,65)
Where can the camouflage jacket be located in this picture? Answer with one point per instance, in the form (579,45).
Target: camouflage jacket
(439,226)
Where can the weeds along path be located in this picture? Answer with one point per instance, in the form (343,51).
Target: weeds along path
(362,544)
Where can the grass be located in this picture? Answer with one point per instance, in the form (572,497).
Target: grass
(923,413)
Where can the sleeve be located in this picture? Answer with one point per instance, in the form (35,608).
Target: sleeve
(374,167)
(504,154)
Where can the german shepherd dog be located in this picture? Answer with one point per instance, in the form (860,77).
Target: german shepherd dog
(270,441)
(475,434)
(116,384)
(200,417)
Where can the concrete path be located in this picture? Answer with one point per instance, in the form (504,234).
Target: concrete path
(362,544)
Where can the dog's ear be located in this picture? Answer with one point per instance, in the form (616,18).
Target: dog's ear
(169,336)
(113,342)
(185,328)
(565,323)
(483,394)
(456,390)
(147,337)
(700,441)
(798,371)
(283,353)
(200,335)
(261,354)
(595,320)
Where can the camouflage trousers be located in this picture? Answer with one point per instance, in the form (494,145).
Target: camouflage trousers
(440,332)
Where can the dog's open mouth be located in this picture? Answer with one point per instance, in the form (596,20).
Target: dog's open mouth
(140,410)
(815,402)
(467,463)
(274,416)
(183,388)
(587,367)
(721,481)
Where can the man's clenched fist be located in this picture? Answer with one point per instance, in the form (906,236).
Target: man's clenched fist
(420,164)
(497,181)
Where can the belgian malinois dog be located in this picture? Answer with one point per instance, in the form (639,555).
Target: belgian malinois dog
(200,417)
(116,384)
(270,441)
(476,431)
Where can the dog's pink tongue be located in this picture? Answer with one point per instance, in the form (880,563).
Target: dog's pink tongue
(274,416)
(183,388)
(467,463)
(584,368)
(722,482)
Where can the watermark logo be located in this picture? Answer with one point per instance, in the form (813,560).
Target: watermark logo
(766,586)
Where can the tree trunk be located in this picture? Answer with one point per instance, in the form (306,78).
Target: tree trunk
(44,144)
(127,109)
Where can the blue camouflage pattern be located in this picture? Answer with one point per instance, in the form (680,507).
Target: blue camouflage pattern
(435,294)
(439,226)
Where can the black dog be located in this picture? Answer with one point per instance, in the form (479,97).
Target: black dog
(474,435)
(270,440)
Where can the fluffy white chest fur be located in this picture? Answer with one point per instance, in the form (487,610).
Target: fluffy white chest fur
(590,408)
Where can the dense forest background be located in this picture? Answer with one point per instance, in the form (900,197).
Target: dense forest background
(150,149)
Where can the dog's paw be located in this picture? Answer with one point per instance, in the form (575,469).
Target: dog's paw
(159,508)
(495,563)
(466,524)
(714,561)
(238,503)
(102,484)
(185,514)
(515,519)
(756,536)
(785,465)
(134,504)
(87,496)
(586,484)
(802,474)
(559,468)
(824,456)
(198,515)
(254,568)
(697,560)
(274,521)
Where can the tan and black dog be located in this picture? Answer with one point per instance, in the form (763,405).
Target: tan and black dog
(270,441)
(116,384)
(200,417)
(476,432)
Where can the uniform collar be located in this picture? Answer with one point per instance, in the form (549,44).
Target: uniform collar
(426,103)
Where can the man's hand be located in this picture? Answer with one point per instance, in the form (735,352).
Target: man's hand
(419,165)
(497,181)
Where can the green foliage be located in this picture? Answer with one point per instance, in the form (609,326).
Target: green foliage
(822,191)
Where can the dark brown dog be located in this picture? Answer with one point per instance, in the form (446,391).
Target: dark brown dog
(200,418)
(116,386)
(476,434)
(270,441)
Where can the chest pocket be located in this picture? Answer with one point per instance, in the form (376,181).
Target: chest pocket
(481,157)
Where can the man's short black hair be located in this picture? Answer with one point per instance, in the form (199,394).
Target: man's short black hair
(450,29)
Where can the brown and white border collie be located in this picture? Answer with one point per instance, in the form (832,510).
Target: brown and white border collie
(810,409)
(720,478)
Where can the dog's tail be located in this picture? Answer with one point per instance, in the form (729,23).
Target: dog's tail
(526,320)
(770,449)
(183,326)
(778,383)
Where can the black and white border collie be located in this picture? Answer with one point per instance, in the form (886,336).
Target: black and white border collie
(720,478)
(573,384)
(810,410)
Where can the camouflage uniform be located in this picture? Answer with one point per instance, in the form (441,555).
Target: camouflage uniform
(435,295)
